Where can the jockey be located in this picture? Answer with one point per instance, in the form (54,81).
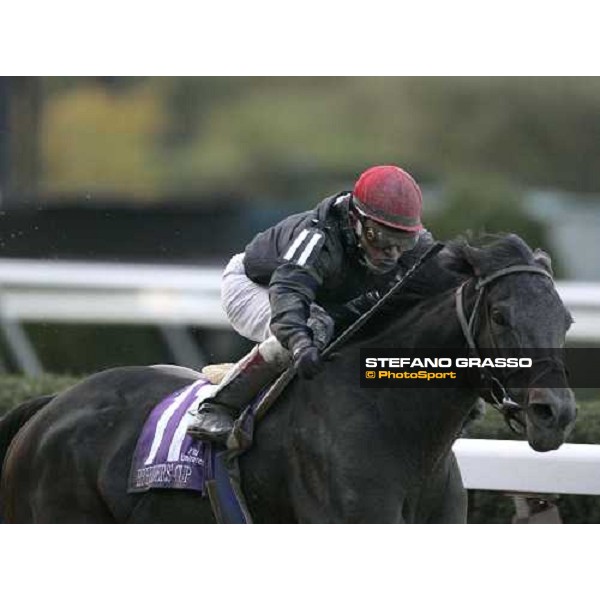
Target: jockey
(312,272)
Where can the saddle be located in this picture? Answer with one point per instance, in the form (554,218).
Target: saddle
(216,373)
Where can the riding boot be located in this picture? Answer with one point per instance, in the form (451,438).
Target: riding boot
(216,416)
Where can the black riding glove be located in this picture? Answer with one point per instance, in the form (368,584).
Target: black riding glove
(308,361)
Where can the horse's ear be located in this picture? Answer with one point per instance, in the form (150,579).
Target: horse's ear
(474,257)
(458,256)
(543,259)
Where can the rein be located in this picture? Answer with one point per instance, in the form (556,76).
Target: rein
(284,379)
(493,390)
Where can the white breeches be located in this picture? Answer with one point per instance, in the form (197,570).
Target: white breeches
(246,303)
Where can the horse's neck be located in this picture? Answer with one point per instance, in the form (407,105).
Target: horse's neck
(330,425)
(429,324)
(433,417)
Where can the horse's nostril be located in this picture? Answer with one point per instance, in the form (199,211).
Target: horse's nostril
(542,413)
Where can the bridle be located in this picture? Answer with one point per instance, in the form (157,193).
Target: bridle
(492,389)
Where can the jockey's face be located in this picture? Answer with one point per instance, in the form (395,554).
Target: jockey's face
(383,246)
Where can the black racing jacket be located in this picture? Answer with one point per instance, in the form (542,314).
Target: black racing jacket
(313,257)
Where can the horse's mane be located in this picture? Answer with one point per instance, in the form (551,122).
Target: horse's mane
(485,254)
(467,256)
(462,258)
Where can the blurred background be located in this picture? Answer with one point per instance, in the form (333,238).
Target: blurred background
(122,198)
(185,170)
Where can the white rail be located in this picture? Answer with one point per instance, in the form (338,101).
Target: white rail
(34,290)
(513,466)
(583,300)
(73,292)
(170,297)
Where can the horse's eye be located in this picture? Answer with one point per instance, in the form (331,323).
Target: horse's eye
(498,317)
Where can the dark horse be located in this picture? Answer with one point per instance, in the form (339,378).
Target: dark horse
(329,450)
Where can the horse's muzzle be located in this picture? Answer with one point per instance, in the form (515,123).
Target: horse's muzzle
(550,415)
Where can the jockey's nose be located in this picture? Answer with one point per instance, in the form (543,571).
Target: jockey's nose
(393,252)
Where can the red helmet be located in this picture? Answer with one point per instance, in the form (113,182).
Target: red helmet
(390,196)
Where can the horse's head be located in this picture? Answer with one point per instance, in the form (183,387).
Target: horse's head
(517,306)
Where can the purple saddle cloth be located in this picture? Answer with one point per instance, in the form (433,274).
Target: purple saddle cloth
(165,455)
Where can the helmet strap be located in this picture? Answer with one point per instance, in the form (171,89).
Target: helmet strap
(355,220)
(358,227)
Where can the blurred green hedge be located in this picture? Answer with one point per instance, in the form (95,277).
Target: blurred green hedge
(16,388)
(484,507)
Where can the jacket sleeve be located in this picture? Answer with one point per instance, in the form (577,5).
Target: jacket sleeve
(345,314)
(294,286)
(292,290)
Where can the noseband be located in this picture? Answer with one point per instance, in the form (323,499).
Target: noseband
(492,389)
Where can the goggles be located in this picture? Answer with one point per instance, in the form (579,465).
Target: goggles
(382,237)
